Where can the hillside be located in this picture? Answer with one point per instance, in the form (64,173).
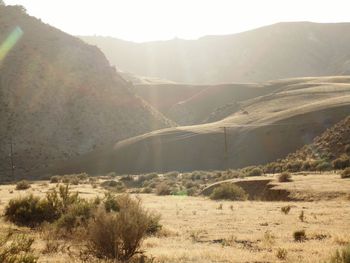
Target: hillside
(284,50)
(333,144)
(59,97)
(270,127)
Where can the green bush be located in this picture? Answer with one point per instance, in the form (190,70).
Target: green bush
(345,173)
(28,211)
(22,185)
(284,177)
(229,192)
(32,211)
(255,172)
(324,166)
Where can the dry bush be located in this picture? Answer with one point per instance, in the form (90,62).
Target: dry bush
(341,163)
(119,235)
(229,192)
(16,249)
(163,189)
(299,236)
(281,253)
(55,179)
(345,173)
(286,209)
(342,256)
(22,185)
(284,177)
(114,186)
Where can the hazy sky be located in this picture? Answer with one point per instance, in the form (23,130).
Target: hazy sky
(144,20)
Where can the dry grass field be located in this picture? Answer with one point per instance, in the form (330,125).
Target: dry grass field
(197,229)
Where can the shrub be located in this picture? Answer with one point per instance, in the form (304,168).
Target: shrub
(114,186)
(346,173)
(55,179)
(17,249)
(255,172)
(163,189)
(229,192)
(110,203)
(324,166)
(27,211)
(299,236)
(76,215)
(286,209)
(342,256)
(284,177)
(281,253)
(294,166)
(32,211)
(22,185)
(118,235)
(341,163)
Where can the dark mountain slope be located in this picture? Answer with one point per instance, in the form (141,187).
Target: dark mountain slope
(59,97)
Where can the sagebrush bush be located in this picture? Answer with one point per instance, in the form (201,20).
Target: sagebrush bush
(341,163)
(284,177)
(55,179)
(16,249)
(163,189)
(255,172)
(114,186)
(345,173)
(285,209)
(299,236)
(32,211)
(119,235)
(229,192)
(28,211)
(22,185)
(281,253)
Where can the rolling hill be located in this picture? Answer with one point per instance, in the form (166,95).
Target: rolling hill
(270,127)
(59,97)
(283,50)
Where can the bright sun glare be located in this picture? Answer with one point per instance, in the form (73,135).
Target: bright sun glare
(145,20)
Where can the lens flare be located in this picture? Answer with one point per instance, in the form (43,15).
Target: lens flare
(10,42)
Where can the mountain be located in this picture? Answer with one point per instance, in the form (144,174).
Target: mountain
(196,104)
(59,97)
(267,128)
(283,50)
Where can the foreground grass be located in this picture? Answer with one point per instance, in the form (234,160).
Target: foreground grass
(196,229)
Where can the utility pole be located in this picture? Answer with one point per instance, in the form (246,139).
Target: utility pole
(225,147)
(11,158)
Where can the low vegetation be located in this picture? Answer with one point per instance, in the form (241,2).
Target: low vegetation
(22,185)
(229,192)
(284,177)
(345,173)
(341,256)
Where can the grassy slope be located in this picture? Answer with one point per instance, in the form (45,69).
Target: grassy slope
(273,126)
